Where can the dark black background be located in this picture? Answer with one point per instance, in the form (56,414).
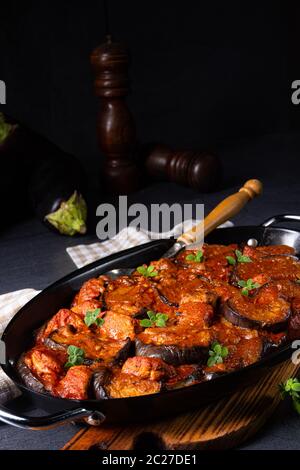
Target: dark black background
(202,72)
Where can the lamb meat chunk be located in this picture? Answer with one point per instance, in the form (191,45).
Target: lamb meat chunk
(169,291)
(129,297)
(224,291)
(91,289)
(75,384)
(216,263)
(288,289)
(165,269)
(186,375)
(209,252)
(125,385)
(150,368)
(62,318)
(213,251)
(104,350)
(46,365)
(194,314)
(118,326)
(198,290)
(87,306)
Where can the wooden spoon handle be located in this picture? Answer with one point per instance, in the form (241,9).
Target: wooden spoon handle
(228,208)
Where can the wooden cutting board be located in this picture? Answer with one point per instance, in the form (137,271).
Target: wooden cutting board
(221,425)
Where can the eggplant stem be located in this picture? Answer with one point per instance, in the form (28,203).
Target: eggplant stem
(70,217)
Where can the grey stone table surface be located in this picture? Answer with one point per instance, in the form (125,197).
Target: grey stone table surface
(32,256)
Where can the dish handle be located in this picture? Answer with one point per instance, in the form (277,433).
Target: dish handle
(280,218)
(93,418)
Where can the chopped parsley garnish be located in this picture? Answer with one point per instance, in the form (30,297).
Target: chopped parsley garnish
(240,258)
(154,319)
(75,356)
(291,388)
(197,258)
(91,317)
(216,354)
(231,260)
(147,271)
(248,286)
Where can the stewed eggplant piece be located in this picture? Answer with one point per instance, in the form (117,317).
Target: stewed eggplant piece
(100,379)
(172,353)
(271,250)
(245,313)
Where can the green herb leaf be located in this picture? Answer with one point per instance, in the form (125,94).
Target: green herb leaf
(291,387)
(147,271)
(298,281)
(91,317)
(296,387)
(211,362)
(76,356)
(217,353)
(197,258)
(242,258)
(231,260)
(155,319)
(161,319)
(146,323)
(248,286)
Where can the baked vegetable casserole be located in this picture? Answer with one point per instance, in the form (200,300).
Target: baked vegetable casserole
(171,324)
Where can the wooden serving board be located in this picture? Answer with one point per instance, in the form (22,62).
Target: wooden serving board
(221,425)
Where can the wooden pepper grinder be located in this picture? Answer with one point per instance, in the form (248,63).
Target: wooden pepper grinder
(199,170)
(115,125)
